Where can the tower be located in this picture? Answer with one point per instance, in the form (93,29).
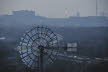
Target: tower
(96,7)
(78,14)
(66,12)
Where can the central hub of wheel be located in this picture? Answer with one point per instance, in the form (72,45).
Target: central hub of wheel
(41,47)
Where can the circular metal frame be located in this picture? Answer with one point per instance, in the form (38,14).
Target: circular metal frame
(29,46)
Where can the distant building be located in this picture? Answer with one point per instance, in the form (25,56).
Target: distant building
(24,13)
(72,47)
(103,14)
(78,14)
(2,38)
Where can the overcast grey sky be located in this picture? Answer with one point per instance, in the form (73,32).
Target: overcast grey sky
(55,8)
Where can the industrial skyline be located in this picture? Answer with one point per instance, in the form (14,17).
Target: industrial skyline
(56,8)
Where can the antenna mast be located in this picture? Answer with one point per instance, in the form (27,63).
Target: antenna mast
(96,7)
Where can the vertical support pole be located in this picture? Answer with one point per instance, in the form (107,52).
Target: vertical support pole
(41,58)
(83,66)
(96,8)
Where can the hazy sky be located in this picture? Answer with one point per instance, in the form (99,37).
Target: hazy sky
(55,8)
